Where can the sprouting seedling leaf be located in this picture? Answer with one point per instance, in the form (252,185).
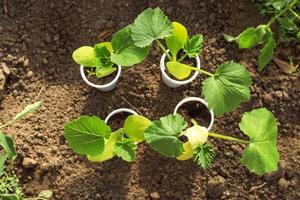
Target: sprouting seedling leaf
(227,88)
(28,110)
(261,155)
(177,40)
(85,56)
(194,45)
(104,71)
(109,148)
(150,25)
(7,144)
(135,126)
(125,149)
(85,135)
(103,56)
(125,52)
(204,155)
(162,135)
(197,135)
(266,53)
(179,70)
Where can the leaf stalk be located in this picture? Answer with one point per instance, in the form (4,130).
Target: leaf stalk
(164,49)
(224,137)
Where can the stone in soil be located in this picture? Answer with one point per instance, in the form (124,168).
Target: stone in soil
(29,163)
(216,186)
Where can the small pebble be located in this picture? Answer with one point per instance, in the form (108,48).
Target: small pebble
(154,195)
(29,163)
(29,74)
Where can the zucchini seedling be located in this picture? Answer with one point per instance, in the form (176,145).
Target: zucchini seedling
(103,57)
(261,155)
(91,136)
(224,90)
(285,13)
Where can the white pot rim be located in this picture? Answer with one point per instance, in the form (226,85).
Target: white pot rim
(104,86)
(198,99)
(163,71)
(120,110)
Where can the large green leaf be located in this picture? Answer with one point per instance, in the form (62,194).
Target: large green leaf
(266,53)
(135,126)
(85,56)
(109,148)
(150,25)
(7,144)
(27,110)
(194,46)
(162,135)
(179,70)
(86,134)
(261,156)
(125,52)
(126,150)
(227,88)
(177,40)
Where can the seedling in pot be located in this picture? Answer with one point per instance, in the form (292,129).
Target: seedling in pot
(284,12)
(261,155)
(91,136)
(224,90)
(9,184)
(101,60)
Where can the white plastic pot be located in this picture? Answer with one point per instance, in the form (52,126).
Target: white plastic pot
(189,99)
(172,82)
(120,110)
(106,87)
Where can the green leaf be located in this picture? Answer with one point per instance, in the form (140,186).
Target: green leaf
(178,70)
(28,110)
(266,53)
(109,148)
(85,56)
(298,35)
(178,38)
(125,52)
(150,25)
(86,134)
(249,37)
(135,126)
(103,56)
(8,145)
(261,156)
(10,197)
(3,158)
(278,4)
(287,23)
(227,88)
(204,155)
(104,71)
(126,150)
(45,194)
(162,135)
(194,46)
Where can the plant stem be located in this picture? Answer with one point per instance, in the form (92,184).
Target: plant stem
(296,15)
(183,57)
(200,70)
(164,49)
(288,7)
(6,124)
(224,137)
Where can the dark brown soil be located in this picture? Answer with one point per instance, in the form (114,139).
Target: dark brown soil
(46,32)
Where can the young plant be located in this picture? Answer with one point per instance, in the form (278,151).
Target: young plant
(261,155)
(90,136)
(9,184)
(224,90)
(103,57)
(284,13)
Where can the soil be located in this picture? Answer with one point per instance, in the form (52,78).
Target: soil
(117,121)
(37,39)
